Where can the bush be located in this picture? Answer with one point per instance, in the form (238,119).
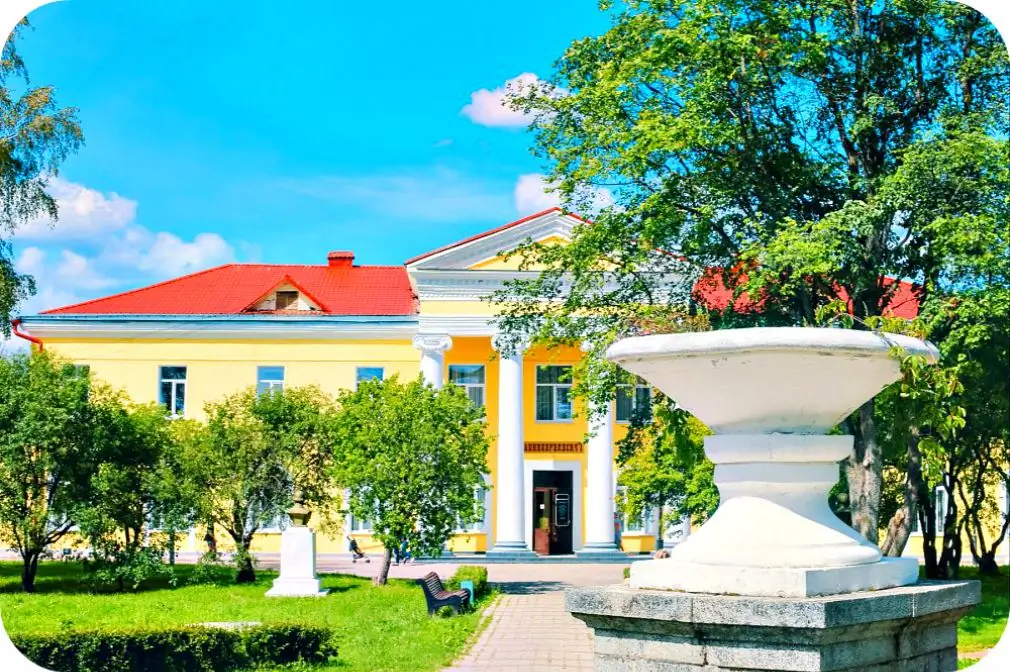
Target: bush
(183,649)
(470,573)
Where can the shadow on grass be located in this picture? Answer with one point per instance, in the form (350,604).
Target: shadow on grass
(70,578)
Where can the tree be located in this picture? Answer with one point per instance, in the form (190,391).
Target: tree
(139,485)
(48,452)
(251,455)
(664,468)
(36,136)
(411,459)
(799,151)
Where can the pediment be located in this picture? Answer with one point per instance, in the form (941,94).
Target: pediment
(486,251)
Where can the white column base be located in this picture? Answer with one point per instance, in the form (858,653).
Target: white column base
(298,565)
(670,574)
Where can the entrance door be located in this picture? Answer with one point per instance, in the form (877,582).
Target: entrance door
(552,512)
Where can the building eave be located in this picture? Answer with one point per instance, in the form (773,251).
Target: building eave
(221,327)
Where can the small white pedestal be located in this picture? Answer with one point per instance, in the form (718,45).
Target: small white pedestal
(298,565)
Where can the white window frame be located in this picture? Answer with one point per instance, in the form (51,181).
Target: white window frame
(481,526)
(939,512)
(643,530)
(468,386)
(632,390)
(271,384)
(174,381)
(554,387)
(353,520)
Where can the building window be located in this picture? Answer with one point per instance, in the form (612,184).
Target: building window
(172,390)
(554,393)
(269,379)
(481,495)
(940,502)
(471,378)
(367,373)
(286,300)
(634,399)
(632,525)
(360,524)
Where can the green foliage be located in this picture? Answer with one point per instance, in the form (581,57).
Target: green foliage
(411,458)
(474,573)
(139,484)
(798,153)
(50,449)
(664,468)
(184,649)
(252,455)
(36,136)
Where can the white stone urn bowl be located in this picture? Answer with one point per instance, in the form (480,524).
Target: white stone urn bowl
(770,395)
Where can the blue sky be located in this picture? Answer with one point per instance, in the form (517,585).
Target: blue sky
(252,131)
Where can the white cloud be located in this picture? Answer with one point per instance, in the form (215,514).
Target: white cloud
(488,107)
(169,255)
(98,249)
(533,193)
(434,195)
(83,214)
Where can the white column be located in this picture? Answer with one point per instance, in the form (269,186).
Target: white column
(600,481)
(433,349)
(510,512)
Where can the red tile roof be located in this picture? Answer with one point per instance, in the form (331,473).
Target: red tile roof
(499,229)
(712,292)
(235,288)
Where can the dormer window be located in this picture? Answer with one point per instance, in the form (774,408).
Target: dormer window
(286,300)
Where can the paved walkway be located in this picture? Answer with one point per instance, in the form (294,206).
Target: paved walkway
(529,628)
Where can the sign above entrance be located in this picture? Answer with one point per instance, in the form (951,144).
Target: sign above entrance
(570,447)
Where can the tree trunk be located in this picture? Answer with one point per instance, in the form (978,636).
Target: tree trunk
(383,576)
(29,570)
(864,471)
(171,547)
(244,561)
(987,565)
(897,533)
(900,526)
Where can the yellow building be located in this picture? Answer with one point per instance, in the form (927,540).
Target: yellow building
(192,340)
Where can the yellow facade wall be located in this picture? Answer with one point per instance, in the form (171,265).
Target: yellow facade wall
(217,368)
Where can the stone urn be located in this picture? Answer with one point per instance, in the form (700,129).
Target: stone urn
(298,513)
(770,396)
(774,581)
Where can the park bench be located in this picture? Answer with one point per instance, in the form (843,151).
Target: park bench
(437,596)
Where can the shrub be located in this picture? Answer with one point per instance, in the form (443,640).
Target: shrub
(183,649)
(469,573)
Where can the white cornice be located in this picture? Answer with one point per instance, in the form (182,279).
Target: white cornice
(457,325)
(465,255)
(182,328)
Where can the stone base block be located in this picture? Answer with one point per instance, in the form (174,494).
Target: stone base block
(283,587)
(511,552)
(907,629)
(672,574)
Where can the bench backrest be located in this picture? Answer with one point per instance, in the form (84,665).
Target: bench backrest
(433,583)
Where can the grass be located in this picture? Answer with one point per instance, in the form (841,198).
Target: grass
(376,628)
(982,627)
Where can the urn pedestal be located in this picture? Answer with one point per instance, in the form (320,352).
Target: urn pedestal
(298,558)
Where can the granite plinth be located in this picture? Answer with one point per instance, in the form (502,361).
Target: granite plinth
(907,629)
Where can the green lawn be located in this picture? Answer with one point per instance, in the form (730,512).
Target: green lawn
(377,628)
(984,625)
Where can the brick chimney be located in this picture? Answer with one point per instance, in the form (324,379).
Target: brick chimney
(340,259)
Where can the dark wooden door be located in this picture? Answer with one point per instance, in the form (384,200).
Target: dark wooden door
(544,533)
